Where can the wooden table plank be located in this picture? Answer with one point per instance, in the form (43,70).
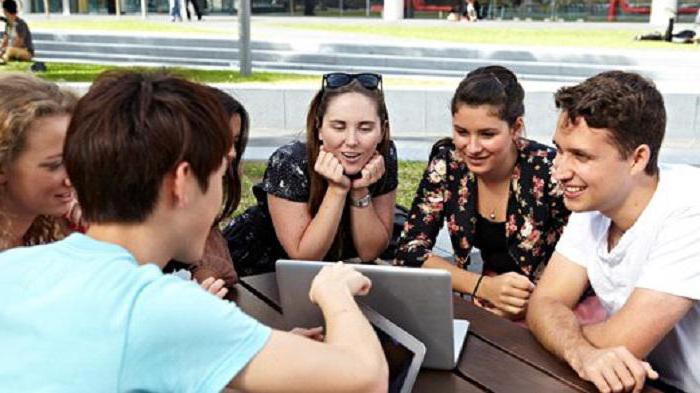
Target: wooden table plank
(500,338)
(517,341)
(433,381)
(493,368)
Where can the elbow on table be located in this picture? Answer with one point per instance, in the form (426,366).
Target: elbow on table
(536,305)
(374,377)
(373,254)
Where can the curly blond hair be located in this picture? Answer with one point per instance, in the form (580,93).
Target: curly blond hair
(24,99)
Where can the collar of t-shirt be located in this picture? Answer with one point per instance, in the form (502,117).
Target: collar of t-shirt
(645,222)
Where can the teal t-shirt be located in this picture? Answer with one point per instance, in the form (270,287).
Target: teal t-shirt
(81,315)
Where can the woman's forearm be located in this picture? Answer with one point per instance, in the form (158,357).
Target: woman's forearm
(463,281)
(318,236)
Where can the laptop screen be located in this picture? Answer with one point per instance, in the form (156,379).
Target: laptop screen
(398,357)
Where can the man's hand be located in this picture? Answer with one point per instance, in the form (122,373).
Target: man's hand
(338,277)
(372,171)
(508,292)
(612,369)
(328,166)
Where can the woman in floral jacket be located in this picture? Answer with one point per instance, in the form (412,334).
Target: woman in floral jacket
(495,190)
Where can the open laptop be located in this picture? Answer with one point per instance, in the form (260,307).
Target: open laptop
(417,300)
(404,353)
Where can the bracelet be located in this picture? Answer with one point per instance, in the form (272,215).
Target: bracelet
(476,287)
(361,202)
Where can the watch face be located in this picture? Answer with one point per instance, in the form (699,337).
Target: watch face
(362,202)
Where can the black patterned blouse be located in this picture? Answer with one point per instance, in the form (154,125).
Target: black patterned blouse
(535,215)
(252,241)
(287,175)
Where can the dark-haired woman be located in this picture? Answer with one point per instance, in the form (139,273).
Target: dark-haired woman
(495,191)
(331,198)
(215,270)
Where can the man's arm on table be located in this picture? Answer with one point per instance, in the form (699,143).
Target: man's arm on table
(551,319)
(641,323)
(350,360)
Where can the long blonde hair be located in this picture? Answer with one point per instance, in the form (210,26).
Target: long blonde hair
(24,99)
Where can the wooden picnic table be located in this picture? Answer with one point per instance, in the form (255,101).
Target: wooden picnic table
(498,355)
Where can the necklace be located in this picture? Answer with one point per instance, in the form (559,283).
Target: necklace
(492,215)
(493,195)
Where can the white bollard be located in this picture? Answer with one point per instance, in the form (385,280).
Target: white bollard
(661,12)
(393,10)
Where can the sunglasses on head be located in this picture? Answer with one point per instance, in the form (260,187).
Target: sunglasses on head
(368,80)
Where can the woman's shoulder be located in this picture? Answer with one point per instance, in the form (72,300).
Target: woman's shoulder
(442,150)
(534,151)
(291,152)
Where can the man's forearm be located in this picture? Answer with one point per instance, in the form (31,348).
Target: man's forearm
(557,328)
(346,326)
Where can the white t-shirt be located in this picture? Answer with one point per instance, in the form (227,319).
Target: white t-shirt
(661,252)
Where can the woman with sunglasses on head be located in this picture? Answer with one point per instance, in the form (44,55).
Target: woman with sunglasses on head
(494,188)
(35,194)
(332,197)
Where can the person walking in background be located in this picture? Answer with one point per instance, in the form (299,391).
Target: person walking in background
(175,10)
(195,6)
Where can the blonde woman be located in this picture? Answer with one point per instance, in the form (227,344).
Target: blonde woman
(35,192)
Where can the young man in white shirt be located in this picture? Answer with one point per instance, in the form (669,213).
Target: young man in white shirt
(147,154)
(634,234)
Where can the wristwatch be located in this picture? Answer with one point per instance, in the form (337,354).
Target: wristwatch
(361,202)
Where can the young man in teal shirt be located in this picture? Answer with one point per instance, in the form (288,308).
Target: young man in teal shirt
(147,154)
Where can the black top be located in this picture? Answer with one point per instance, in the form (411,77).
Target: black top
(490,239)
(535,215)
(287,175)
(252,241)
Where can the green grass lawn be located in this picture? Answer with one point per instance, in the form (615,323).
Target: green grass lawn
(160,24)
(69,72)
(448,32)
(495,34)
(66,72)
(410,173)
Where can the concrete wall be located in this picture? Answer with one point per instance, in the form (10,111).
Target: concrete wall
(419,116)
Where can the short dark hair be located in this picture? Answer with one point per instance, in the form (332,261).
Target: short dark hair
(626,104)
(9,6)
(492,85)
(130,130)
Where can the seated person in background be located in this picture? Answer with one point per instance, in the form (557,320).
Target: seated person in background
(495,191)
(103,293)
(17,40)
(35,193)
(634,234)
(331,198)
(468,11)
(216,263)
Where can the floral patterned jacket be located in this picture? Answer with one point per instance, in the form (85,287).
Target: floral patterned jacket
(535,215)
